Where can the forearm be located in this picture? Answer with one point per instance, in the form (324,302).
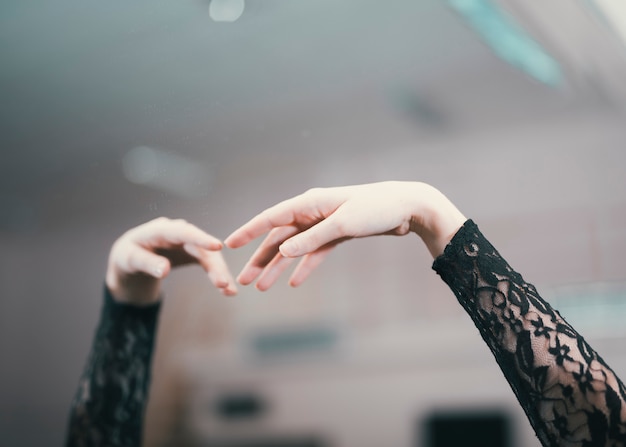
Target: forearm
(572,398)
(109,404)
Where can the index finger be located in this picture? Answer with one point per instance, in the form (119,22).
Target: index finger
(307,208)
(276,216)
(215,265)
(163,231)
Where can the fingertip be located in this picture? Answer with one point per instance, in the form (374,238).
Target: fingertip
(229,241)
(247,276)
(288,249)
(229,291)
(160,269)
(245,282)
(295,281)
(261,287)
(221,283)
(242,280)
(212,244)
(235,240)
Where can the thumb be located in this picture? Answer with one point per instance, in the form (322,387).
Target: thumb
(147,262)
(317,236)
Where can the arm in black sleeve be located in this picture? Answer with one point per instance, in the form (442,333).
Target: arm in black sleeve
(570,395)
(109,404)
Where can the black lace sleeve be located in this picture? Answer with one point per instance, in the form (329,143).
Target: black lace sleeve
(109,404)
(570,395)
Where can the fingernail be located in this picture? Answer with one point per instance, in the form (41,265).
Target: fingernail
(158,270)
(216,244)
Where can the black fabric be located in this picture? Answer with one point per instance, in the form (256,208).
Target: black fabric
(109,405)
(570,395)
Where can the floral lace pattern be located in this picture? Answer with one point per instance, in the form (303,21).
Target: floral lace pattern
(109,404)
(570,395)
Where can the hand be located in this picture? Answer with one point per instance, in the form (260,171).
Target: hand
(144,255)
(312,224)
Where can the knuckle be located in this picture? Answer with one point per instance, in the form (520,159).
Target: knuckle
(131,261)
(341,228)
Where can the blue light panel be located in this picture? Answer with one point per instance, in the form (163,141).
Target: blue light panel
(508,40)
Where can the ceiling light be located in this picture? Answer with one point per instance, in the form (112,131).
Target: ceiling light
(614,12)
(166,171)
(226,10)
(508,40)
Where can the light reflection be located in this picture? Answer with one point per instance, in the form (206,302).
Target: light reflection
(140,165)
(615,13)
(508,40)
(166,171)
(226,10)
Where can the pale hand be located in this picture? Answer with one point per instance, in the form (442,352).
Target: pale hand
(313,223)
(144,255)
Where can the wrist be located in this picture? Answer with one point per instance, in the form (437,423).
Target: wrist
(436,219)
(136,289)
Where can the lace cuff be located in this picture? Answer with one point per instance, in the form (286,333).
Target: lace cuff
(570,395)
(109,404)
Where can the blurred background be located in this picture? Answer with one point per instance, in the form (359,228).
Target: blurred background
(116,112)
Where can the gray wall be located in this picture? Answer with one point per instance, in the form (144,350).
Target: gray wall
(290,97)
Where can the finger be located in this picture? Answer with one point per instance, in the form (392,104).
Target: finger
(248,274)
(140,260)
(215,265)
(265,253)
(168,232)
(308,263)
(305,205)
(219,273)
(327,231)
(262,223)
(272,271)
